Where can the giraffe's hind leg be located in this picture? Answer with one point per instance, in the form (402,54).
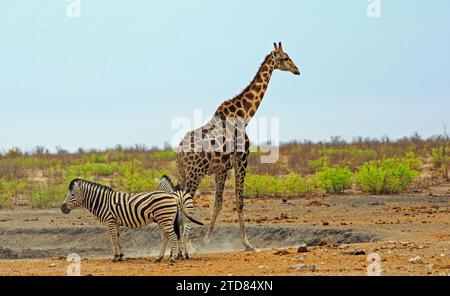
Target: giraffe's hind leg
(240,171)
(220,179)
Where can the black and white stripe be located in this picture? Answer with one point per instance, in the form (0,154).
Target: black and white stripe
(115,209)
(186,202)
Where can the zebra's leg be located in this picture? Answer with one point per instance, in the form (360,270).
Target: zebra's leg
(119,244)
(240,171)
(220,179)
(185,243)
(169,232)
(162,244)
(112,227)
(174,244)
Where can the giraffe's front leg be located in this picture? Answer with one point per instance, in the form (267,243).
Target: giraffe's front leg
(112,227)
(220,179)
(240,170)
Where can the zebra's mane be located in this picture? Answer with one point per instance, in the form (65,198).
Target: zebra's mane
(72,183)
(173,187)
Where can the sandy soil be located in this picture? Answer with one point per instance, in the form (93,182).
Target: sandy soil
(400,227)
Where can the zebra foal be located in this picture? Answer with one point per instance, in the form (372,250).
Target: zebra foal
(115,209)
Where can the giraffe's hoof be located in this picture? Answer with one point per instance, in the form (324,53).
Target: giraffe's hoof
(114,260)
(248,247)
(158,259)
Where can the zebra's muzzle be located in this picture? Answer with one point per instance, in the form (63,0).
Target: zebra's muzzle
(65,209)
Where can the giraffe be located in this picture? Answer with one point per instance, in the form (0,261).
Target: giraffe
(222,143)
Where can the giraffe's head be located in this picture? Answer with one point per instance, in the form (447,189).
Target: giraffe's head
(282,60)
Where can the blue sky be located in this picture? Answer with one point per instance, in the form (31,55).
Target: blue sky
(124,70)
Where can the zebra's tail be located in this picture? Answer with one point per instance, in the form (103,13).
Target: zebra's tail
(190,218)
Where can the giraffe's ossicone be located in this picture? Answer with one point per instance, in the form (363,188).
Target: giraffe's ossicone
(222,143)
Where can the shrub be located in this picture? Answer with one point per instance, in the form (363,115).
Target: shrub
(438,157)
(46,197)
(262,185)
(412,161)
(333,180)
(294,184)
(98,158)
(387,176)
(5,200)
(168,154)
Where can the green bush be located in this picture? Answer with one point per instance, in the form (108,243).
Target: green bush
(46,197)
(168,154)
(387,176)
(5,200)
(134,178)
(412,161)
(333,180)
(438,157)
(265,185)
(98,158)
(294,184)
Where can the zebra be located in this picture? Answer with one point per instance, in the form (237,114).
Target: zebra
(115,209)
(185,200)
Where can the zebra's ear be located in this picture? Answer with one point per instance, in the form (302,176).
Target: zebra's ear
(72,183)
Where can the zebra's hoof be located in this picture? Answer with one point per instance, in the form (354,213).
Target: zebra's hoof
(172,261)
(186,256)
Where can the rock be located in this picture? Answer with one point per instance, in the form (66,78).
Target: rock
(302,248)
(343,246)
(281,252)
(415,260)
(303,267)
(323,243)
(356,253)
(52,265)
(300,258)
(375,203)
(325,223)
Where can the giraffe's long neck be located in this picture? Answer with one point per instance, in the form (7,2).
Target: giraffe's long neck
(247,102)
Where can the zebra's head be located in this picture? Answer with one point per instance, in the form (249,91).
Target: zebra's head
(165,184)
(74,197)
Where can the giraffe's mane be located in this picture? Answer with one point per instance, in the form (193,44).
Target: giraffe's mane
(89,183)
(246,89)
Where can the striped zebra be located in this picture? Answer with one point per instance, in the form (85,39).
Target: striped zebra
(115,209)
(185,200)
